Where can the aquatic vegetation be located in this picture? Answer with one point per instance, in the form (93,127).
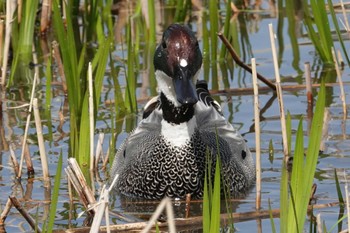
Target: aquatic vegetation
(87,33)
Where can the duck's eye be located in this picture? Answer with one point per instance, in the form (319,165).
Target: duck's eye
(164,44)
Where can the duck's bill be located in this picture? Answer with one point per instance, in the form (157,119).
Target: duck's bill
(184,88)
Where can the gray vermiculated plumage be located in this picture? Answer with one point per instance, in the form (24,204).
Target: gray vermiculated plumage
(150,165)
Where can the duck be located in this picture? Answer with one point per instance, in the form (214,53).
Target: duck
(181,131)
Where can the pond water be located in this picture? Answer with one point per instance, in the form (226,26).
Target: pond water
(237,106)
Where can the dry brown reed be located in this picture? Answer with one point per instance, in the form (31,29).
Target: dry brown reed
(257,136)
(41,144)
(279,94)
(27,125)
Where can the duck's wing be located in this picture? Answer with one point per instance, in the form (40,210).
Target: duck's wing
(150,106)
(205,97)
(213,125)
(141,140)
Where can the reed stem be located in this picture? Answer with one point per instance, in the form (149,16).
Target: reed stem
(11,6)
(91,117)
(279,94)
(257,136)
(27,126)
(99,150)
(242,64)
(41,143)
(14,160)
(341,85)
(308,82)
(45,15)
(1,39)
(5,212)
(24,213)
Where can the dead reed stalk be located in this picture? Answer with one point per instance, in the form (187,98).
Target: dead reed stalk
(1,39)
(164,204)
(308,82)
(14,160)
(347,204)
(27,217)
(279,95)
(197,221)
(99,150)
(80,185)
(45,15)
(27,125)
(57,56)
(41,143)
(341,85)
(242,64)
(11,6)
(257,136)
(5,212)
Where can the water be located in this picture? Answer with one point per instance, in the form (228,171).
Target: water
(237,107)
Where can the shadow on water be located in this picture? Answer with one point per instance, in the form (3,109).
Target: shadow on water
(229,83)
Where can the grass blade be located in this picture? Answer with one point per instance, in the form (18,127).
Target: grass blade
(215,207)
(337,30)
(54,199)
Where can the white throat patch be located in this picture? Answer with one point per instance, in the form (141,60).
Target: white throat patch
(178,134)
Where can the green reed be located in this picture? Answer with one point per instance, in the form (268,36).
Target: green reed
(55,194)
(48,96)
(322,39)
(295,194)
(214,29)
(337,30)
(291,16)
(75,59)
(226,29)
(130,97)
(211,198)
(22,41)
(182,8)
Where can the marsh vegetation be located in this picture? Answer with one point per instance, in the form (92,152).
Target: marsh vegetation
(47,46)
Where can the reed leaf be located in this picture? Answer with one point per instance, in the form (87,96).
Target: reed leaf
(206,205)
(152,22)
(215,207)
(226,30)
(336,224)
(48,97)
(214,28)
(290,5)
(273,227)
(100,61)
(339,192)
(337,30)
(182,8)
(322,39)
(284,180)
(54,198)
(304,170)
(69,58)
(23,50)
(284,198)
(130,93)
(297,176)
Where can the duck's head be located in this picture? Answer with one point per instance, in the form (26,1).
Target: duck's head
(177,62)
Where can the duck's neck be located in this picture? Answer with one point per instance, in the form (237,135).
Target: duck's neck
(175,115)
(178,124)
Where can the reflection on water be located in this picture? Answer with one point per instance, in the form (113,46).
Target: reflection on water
(248,35)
